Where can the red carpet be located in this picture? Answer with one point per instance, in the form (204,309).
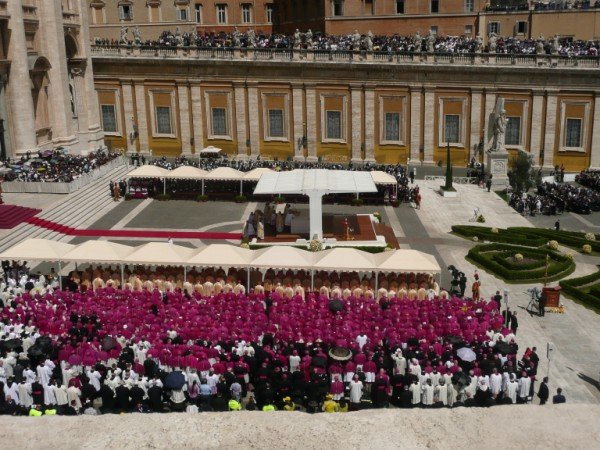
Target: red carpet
(13,215)
(43,223)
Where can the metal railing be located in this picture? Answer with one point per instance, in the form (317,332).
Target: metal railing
(457,180)
(344,56)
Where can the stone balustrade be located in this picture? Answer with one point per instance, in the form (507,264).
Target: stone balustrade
(273,54)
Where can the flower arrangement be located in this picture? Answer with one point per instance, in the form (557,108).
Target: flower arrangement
(388,249)
(518,257)
(495,231)
(590,236)
(315,245)
(587,248)
(377,216)
(244,245)
(569,255)
(553,245)
(480,218)
(475,239)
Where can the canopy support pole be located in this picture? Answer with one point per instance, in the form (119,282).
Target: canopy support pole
(248,280)
(202,186)
(122,276)
(241,187)
(376,281)
(184,274)
(312,280)
(60,284)
(165,186)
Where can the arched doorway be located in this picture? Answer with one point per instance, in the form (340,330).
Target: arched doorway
(38,71)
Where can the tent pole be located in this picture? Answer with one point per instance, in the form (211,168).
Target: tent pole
(312,280)
(248,279)
(202,186)
(184,274)
(376,281)
(60,284)
(165,186)
(241,187)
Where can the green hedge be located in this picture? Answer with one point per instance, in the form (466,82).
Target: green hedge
(532,237)
(501,258)
(558,267)
(572,287)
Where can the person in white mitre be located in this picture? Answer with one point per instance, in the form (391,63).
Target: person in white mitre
(427,393)
(441,392)
(399,361)
(361,340)
(495,383)
(524,387)
(511,389)
(415,388)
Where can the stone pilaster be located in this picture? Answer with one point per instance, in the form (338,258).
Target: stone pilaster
(240,119)
(356,114)
(475,127)
(198,119)
(488,119)
(369,124)
(595,150)
(415,123)
(549,135)
(537,110)
(311,122)
(429,122)
(129,114)
(53,43)
(22,115)
(142,119)
(253,119)
(298,120)
(184,119)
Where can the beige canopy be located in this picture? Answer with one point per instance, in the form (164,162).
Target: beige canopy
(255,174)
(161,253)
(37,250)
(221,255)
(344,259)
(98,251)
(187,173)
(224,173)
(380,177)
(406,261)
(148,171)
(279,257)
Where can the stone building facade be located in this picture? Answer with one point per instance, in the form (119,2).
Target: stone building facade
(47,95)
(348,106)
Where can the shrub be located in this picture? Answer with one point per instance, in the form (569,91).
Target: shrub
(202,198)
(315,245)
(279,200)
(518,257)
(164,197)
(240,198)
(377,216)
(553,245)
(128,196)
(590,236)
(573,286)
(480,219)
(494,231)
(395,203)
(244,245)
(586,249)
(357,202)
(569,255)
(475,239)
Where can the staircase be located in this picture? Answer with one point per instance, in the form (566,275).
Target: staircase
(79,210)
(13,215)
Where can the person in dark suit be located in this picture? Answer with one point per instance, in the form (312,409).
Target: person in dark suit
(559,397)
(542,304)
(514,322)
(544,392)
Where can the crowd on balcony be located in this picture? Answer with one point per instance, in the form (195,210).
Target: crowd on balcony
(53,166)
(97,348)
(545,6)
(553,198)
(357,42)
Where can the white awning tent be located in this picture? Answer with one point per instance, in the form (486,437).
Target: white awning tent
(224,174)
(282,257)
(210,150)
(103,252)
(256,174)
(406,261)
(161,253)
(37,250)
(148,171)
(187,173)
(221,255)
(345,259)
(381,177)
(315,183)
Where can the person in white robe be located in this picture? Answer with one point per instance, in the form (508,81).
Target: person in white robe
(49,397)
(361,340)
(441,393)
(3,376)
(495,383)
(415,389)
(25,394)
(472,387)
(414,367)
(74,395)
(512,388)
(29,375)
(11,388)
(435,377)
(60,393)
(427,393)
(44,373)
(294,361)
(356,390)
(399,362)
(94,377)
(524,388)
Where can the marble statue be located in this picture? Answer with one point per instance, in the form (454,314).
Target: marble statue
(356,40)
(178,37)
(308,38)
(137,37)
(493,42)
(418,41)
(499,127)
(369,41)
(237,42)
(430,42)
(539,46)
(123,40)
(251,36)
(555,44)
(478,43)
(297,39)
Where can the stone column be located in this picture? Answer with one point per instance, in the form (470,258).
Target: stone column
(488,132)
(595,148)
(415,123)
(80,102)
(298,121)
(142,120)
(311,122)
(22,115)
(536,126)
(357,115)
(128,113)
(549,136)
(198,119)
(475,127)
(240,119)
(184,119)
(429,122)
(369,124)
(53,43)
(253,119)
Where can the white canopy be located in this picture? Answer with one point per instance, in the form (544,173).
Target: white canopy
(159,253)
(282,256)
(380,177)
(221,255)
(37,250)
(224,173)
(210,150)
(187,173)
(344,259)
(305,181)
(407,261)
(148,171)
(256,174)
(98,251)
